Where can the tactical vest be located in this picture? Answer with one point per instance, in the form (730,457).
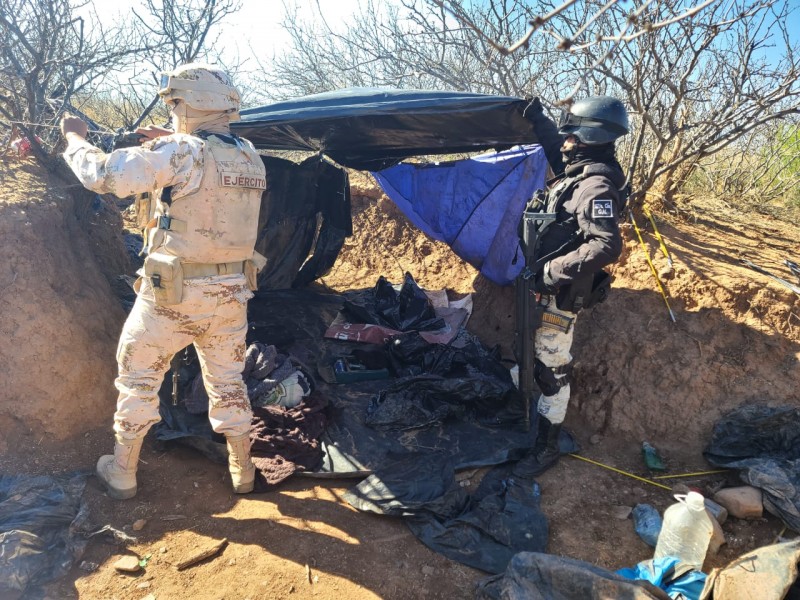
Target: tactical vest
(564,235)
(217,222)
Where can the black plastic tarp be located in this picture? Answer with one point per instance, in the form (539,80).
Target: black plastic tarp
(372,128)
(763,443)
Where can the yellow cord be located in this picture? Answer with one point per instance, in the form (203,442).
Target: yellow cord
(698,474)
(660,239)
(594,462)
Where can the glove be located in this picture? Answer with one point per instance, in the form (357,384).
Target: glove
(535,105)
(543,283)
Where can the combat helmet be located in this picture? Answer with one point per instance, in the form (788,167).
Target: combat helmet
(201,86)
(595,120)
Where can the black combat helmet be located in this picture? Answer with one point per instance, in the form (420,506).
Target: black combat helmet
(595,120)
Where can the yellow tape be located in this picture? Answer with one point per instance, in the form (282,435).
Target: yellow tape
(698,474)
(621,472)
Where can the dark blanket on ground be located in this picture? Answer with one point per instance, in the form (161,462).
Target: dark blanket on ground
(763,442)
(40,520)
(483,530)
(294,321)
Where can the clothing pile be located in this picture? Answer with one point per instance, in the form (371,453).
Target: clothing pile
(271,378)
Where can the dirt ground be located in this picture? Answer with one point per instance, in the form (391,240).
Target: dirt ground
(638,376)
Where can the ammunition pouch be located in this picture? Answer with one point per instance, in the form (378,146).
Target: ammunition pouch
(545,377)
(252,266)
(165,274)
(584,292)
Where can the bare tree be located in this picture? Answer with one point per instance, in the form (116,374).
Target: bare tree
(49,56)
(406,44)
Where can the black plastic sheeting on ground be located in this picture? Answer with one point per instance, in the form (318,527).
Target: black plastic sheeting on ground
(305,209)
(483,531)
(406,310)
(536,576)
(294,321)
(39,521)
(371,129)
(763,442)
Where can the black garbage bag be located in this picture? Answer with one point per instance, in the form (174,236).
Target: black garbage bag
(536,576)
(40,520)
(428,400)
(407,310)
(763,442)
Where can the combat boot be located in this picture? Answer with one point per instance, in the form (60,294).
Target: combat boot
(545,452)
(118,471)
(243,471)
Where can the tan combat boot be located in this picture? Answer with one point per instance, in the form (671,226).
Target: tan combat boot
(243,471)
(118,471)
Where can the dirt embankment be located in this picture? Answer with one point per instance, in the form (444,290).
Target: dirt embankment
(638,376)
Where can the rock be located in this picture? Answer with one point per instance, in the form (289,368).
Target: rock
(621,512)
(427,570)
(89,567)
(666,273)
(163,550)
(139,524)
(144,585)
(743,502)
(595,439)
(232,562)
(128,564)
(149,597)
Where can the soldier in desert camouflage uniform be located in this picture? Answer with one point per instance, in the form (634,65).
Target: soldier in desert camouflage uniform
(205,188)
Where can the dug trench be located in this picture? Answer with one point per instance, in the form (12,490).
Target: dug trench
(637,376)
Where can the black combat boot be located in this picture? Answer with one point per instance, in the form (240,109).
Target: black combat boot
(545,452)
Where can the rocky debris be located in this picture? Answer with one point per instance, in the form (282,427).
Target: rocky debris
(139,524)
(128,564)
(743,502)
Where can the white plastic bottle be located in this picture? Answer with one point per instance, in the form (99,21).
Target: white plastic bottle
(686,531)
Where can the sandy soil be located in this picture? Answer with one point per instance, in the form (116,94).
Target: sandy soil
(638,376)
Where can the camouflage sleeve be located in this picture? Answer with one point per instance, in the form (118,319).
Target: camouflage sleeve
(596,211)
(171,160)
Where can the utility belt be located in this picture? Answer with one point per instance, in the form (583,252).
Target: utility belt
(166,274)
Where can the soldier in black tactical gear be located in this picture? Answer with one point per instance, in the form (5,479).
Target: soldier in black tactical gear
(587,196)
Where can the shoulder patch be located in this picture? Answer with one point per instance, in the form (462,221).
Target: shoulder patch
(602,208)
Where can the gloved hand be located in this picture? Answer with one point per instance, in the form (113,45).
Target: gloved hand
(70,124)
(535,105)
(543,283)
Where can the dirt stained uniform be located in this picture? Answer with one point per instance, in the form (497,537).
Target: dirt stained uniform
(193,287)
(586,198)
(588,212)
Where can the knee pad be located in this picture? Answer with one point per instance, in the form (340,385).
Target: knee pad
(546,377)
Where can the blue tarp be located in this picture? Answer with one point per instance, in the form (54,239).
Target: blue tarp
(473,205)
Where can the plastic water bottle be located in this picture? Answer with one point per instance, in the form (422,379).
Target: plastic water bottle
(686,531)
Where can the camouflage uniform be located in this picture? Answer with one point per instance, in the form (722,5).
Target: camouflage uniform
(214,197)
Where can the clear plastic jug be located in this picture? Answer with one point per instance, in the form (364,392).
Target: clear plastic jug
(686,531)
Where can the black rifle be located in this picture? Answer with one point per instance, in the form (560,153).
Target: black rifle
(533,224)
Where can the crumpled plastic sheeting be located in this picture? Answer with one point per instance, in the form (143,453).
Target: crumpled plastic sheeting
(406,310)
(767,573)
(482,531)
(428,400)
(536,576)
(40,517)
(669,574)
(763,442)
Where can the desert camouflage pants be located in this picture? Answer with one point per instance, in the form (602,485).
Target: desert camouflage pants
(552,347)
(213,315)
